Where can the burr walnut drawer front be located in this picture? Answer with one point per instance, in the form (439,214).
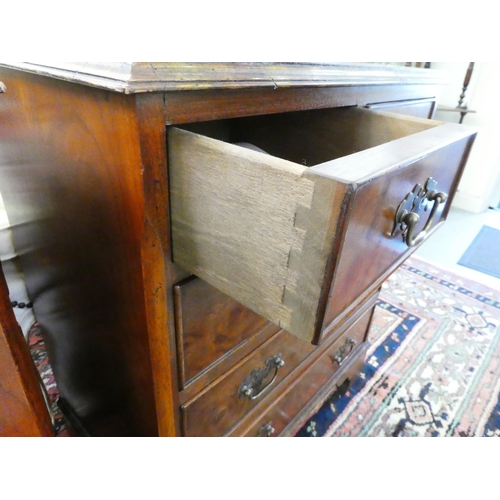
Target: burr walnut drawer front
(224,402)
(209,326)
(300,216)
(342,359)
(276,422)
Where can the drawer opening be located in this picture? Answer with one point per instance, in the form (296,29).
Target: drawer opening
(299,234)
(310,138)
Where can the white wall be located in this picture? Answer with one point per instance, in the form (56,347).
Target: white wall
(13,275)
(480,185)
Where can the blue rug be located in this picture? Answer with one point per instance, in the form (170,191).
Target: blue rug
(483,254)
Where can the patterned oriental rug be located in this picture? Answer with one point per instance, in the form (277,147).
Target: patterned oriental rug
(434,365)
(39,355)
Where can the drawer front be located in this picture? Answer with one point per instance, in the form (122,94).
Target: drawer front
(373,244)
(330,364)
(341,383)
(343,360)
(216,409)
(270,229)
(209,325)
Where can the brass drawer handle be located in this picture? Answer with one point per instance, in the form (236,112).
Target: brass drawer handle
(267,430)
(253,386)
(407,217)
(2,88)
(344,351)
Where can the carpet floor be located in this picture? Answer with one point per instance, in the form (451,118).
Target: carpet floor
(434,365)
(39,355)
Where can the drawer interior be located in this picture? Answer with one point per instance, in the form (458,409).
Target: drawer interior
(310,138)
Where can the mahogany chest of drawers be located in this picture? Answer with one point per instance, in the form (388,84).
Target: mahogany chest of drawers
(204,243)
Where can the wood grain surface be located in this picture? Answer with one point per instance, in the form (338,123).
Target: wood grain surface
(210,325)
(71,175)
(316,376)
(269,232)
(369,252)
(235,222)
(219,406)
(133,77)
(420,108)
(193,106)
(111,207)
(158,272)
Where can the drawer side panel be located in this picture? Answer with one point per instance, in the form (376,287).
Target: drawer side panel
(248,224)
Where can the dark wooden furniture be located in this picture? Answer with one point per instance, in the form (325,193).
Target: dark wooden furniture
(188,285)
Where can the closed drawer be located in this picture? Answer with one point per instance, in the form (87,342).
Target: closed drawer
(209,325)
(302,234)
(343,359)
(275,423)
(216,409)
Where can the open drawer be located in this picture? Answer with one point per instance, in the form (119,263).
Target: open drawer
(302,233)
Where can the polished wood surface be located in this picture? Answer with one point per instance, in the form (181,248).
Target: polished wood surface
(341,381)
(216,409)
(268,228)
(226,362)
(86,173)
(138,77)
(314,380)
(210,325)
(158,272)
(71,158)
(295,399)
(369,252)
(193,106)
(291,409)
(23,412)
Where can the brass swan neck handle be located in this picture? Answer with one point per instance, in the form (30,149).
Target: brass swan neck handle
(407,217)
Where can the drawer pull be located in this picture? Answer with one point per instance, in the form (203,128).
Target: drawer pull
(267,430)
(344,351)
(2,88)
(253,386)
(407,217)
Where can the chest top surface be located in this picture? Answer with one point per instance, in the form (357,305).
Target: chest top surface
(135,77)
